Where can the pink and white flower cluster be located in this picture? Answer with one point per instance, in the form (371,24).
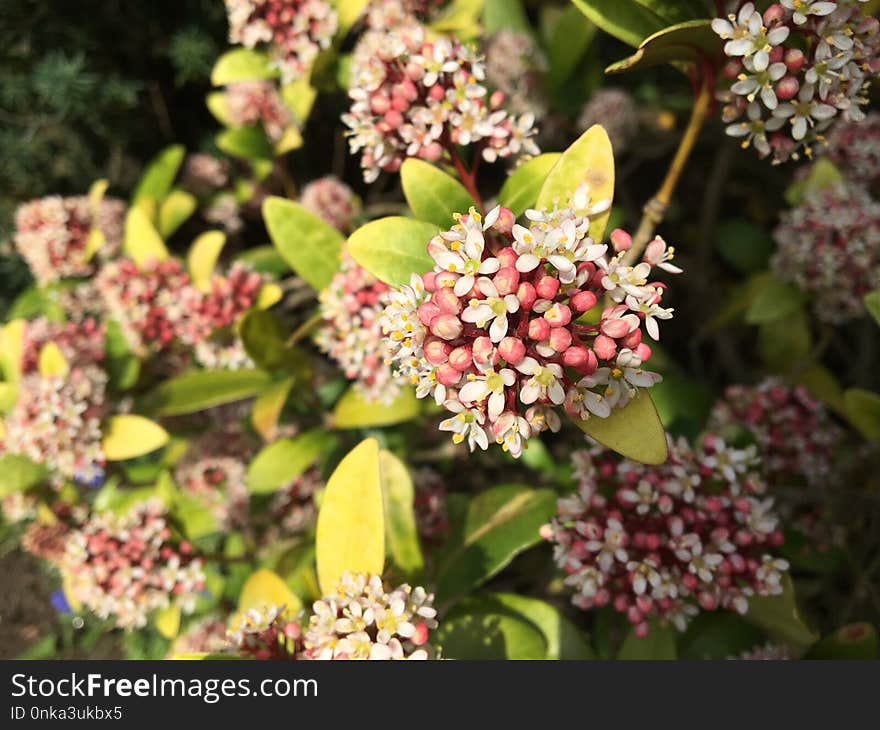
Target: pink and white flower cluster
(217,482)
(494,332)
(127,566)
(80,342)
(352,307)
(258,102)
(363,620)
(412,97)
(51,234)
(793,70)
(333,201)
(829,245)
(391,14)
(267,633)
(666,541)
(795,435)
(513,66)
(294,30)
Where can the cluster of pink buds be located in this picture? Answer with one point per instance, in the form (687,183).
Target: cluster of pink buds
(494,333)
(51,234)
(80,342)
(218,483)
(267,633)
(666,541)
(795,435)
(295,31)
(352,307)
(203,174)
(56,421)
(362,620)
(829,245)
(616,110)
(390,14)
(793,69)
(230,295)
(417,98)
(258,102)
(332,200)
(292,508)
(127,566)
(513,66)
(855,148)
(205,636)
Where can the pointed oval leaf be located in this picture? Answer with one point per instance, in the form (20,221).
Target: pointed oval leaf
(159,175)
(690,41)
(393,248)
(249,143)
(520,190)
(174,210)
(270,294)
(433,195)
(863,411)
(142,242)
(264,589)
(12,349)
(348,12)
(167,621)
(659,644)
(626,20)
(202,258)
(350,535)
(52,363)
(279,463)
(199,390)
(19,474)
(634,431)
(219,107)
(590,160)
(128,436)
(355,411)
(299,96)
(310,245)
(780,617)
(267,408)
(478,630)
(401,534)
(242,64)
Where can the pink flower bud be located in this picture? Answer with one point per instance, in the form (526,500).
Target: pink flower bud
(644,352)
(583,301)
(794,59)
(774,14)
(621,240)
(615,328)
(506,280)
(436,351)
(732,69)
(445,278)
(432,152)
(437,92)
(604,347)
(430,281)
(484,351)
(632,340)
(787,88)
(504,224)
(560,339)
(527,295)
(447,301)
(496,100)
(428,312)
(380,104)
(539,329)
(577,357)
(414,71)
(393,118)
(461,358)
(512,349)
(507,257)
(446,326)
(398,104)
(448,375)
(558,315)
(776,54)
(547,286)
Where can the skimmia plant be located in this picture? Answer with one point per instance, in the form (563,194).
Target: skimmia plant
(220,446)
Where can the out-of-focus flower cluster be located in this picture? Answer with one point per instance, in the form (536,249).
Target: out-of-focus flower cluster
(267,633)
(412,97)
(332,200)
(295,31)
(829,245)
(794,433)
(390,14)
(125,567)
(52,235)
(768,652)
(513,64)
(352,307)
(666,541)
(258,102)
(793,70)
(855,148)
(617,112)
(494,335)
(429,504)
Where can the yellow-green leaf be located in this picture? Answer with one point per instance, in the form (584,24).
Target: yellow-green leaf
(96,193)
(94,242)
(270,294)
(174,210)
(348,11)
(167,621)
(142,242)
(264,589)
(242,64)
(521,189)
(400,521)
(393,249)
(219,107)
(12,349)
(634,431)
(8,398)
(433,195)
(52,363)
(863,411)
(127,436)
(350,535)
(590,160)
(202,257)
(159,175)
(299,96)
(267,408)
(355,411)
(780,617)
(290,140)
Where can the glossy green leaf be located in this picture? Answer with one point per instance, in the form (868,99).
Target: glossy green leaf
(433,195)
(588,160)
(634,431)
(159,176)
(785,343)
(199,390)
(249,143)
(779,616)
(505,15)
(299,96)
(393,249)
(520,190)
(263,338)
(282,461)
(775,300)
(822,385)
(167,621)
(265,260)
(691,41)
(863,411)
(718,635)
(127,436)
(401,536)
(570,38)
(743,245)
(195,517)
(626,20)
(264,589)
(479,631)
(348,12)
(855,641)
(500,523)
(12,349)
(355,411)
(350,535)
(242,64)
(309,244)
(19,474)
(659,644)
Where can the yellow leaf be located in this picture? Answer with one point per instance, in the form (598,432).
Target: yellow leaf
(264,589)
(350,535)
(70,597)
(354,411)
(128,436)
(142,241)
(96,194)
(202,258)
(270,294)
(299,96)
(634,431)
(290,140)
(590,160)
(12,349)
(167,621)
(52,364)
(45,516)
(267,408)
(94,242)
(175,209)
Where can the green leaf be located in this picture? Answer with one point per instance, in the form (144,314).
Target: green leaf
(279,463)
(299,96)
(481,632)
(127,436)
(500,523)
(242,64)
(822,385)
(196,519)
(350,535)
(393,248)
(142,242)
(19,474)
(569,40)
(12,349)
(219,107)
(634,431)
(659,644)
(249,143)
(872,304)
(520,190)
(776,300)
(691,41)
(433,195)
(265,260)
(401,536)
(823,174)
(263,338)
(779,616)
(202,258)
(309,244)
(589,159)
(202,389)
(348,12)
(743,245)
(863,411)
(460,18)
(268,406)
(718,635)
(121,364)
(855,641)
(626,20)
(174,210)
(785,343)
(159,176)
(505,15)
(355,411)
